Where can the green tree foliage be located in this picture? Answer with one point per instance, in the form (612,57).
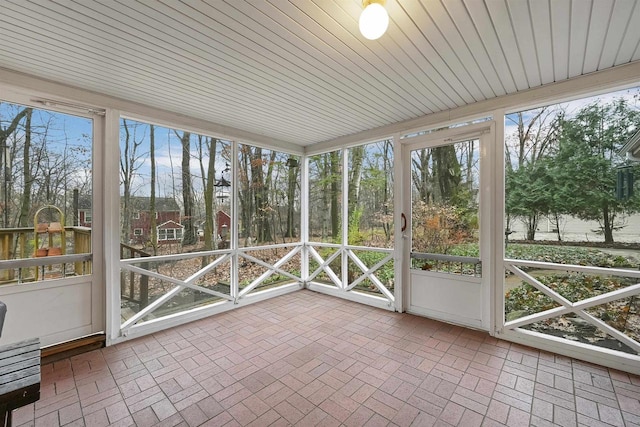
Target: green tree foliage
(568,167)
(527,182)
(530,193)
(586,161)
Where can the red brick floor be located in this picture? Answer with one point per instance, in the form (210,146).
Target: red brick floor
(310,359)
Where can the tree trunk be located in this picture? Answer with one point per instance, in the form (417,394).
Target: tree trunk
(532,225)
(608,224)
(245,193)
(325,172)
(355,177)
(334,160)
(4,136)
(447,171)
(556,217)
(189,234)
(209,208)
(25,208)
(153,234)
(260,197)
(127,171)
(421,175)
(292,163)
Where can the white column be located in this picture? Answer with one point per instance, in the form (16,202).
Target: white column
(304,217)
(109,153)
(233,238)
(400,254)
(345,217)
(497,252)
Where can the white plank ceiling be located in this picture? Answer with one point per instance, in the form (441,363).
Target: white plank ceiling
(298,71)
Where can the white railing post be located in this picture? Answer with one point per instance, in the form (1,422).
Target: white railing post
(304,220)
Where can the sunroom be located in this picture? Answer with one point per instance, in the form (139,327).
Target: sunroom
(199,157)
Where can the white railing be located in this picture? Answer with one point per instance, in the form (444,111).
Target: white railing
(266,275)
(218,258)
(271,268)
(575,307)
(342,280)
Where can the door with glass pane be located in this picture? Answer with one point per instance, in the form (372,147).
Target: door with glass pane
(49,213)
(442,185)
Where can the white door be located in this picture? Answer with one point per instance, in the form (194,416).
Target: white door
(51,274)
(446,226)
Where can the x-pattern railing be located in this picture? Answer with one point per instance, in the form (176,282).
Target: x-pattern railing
(248,255)
(368,272)
(579,307)
(271,269)
(188,283)
(325,265)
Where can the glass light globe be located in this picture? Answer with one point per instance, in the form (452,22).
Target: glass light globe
(374,21)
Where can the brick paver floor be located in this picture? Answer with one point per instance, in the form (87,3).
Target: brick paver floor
(311,359)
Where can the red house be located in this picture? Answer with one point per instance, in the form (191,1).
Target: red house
(167,213)
(85,217)
(223,219)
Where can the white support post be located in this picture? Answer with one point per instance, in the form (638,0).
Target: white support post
(110,155)
(304,220)
(233,239)
(400,259)
(488,148)
(496,297)
(345,218)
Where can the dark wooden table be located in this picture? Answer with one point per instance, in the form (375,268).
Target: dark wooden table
(19,376)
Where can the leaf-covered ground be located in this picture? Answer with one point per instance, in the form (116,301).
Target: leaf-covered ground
(623,314)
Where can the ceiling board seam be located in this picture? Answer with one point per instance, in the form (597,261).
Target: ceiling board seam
(553,57)
(624,32)
(500,44)
(234,101)
(606,34)
(320,40)
(569,38)
(436,69)
(232,48)
(627,75)
(497,57)
(533,34)
(313,68)
(382,65)
(484,48)
(457,56)
(220,114)
(586,43)
(61,91)
(305,61)
(470,50)
(519,47)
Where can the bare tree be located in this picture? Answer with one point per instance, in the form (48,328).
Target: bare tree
(292,183)
(130,157)
(152,199)
(26,172)
(5,133)
(189,236)
(209,196)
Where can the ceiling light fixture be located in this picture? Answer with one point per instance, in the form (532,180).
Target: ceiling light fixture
(374,19)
